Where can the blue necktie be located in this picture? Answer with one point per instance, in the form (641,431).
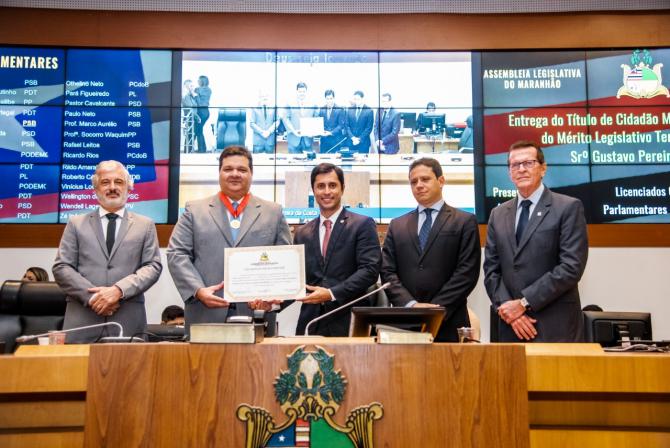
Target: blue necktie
(234,231)
(425,228)
(523,219)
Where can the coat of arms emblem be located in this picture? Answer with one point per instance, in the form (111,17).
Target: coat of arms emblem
(642,80)
(310,393)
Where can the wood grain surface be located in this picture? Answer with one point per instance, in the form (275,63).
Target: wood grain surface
(184,395)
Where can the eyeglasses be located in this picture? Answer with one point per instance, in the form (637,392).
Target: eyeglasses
(527,164)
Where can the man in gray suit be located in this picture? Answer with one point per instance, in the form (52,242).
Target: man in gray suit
(231,218)
(536,251)
(297,142)
(106,260)
(264,123)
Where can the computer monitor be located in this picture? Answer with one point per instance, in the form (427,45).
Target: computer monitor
(609,327)
(160,332)
(365,319)
(408,120)
(432,123)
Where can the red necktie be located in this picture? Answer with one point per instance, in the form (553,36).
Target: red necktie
(328,224)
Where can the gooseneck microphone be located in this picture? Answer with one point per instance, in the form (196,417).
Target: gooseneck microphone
(30,337)
(346,305)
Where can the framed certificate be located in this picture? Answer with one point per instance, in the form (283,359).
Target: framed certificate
(264,272)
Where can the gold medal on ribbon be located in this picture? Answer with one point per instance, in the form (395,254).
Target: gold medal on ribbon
(235,223)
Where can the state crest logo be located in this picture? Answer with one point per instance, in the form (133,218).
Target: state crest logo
(642,80)
(310,393)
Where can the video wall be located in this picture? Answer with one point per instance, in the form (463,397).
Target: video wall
(603,118)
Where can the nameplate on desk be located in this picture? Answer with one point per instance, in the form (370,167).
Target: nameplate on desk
(391,335)
(227,333)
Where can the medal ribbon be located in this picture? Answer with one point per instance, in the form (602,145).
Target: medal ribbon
(229,205)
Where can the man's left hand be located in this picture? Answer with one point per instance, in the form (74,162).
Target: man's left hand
(105,299)
(317,295)
(511,310)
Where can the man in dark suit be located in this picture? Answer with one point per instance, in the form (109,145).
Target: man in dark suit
(536,251)
(431,255)
(360,120)
(334,121)
(342,256)
(387,127)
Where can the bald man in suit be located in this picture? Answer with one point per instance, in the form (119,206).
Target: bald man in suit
(196,250)
(106,260)
(536,252)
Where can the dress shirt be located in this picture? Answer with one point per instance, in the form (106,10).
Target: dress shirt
(437,206)
(422,216)
(534,198)
(322,233)
(102,212)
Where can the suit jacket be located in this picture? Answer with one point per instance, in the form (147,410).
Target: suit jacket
(544,267)
(83,262)
(335,124)
(291,120)
(195,252)
(387,128)
(361,128)
(444,274)
(351,266)
(261,122)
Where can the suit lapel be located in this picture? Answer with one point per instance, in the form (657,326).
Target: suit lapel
(338,228)
(96,226)
(312,232)
(126,222)
(251,214)
(441,219)
(509,221)
(220,217)
(539,213)
(413,229)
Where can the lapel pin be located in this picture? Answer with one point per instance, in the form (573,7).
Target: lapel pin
(539,213)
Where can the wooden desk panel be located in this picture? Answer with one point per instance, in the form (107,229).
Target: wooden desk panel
(42,396)
(436,395)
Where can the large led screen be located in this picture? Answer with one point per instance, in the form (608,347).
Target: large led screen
(354,109)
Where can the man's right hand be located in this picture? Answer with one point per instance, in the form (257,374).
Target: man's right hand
(424,305)
(207,297)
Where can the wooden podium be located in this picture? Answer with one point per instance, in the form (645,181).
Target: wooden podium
(181,395)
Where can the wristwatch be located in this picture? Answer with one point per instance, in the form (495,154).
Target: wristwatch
(525,303)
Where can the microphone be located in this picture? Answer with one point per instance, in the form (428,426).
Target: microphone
(346,305)
(31,337)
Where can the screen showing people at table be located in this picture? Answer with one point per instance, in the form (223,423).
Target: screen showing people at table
(432,124)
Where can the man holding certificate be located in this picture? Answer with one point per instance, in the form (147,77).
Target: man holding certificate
(231,218)
(342,256)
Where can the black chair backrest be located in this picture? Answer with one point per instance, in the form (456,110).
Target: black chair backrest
(231,127)
(32,298)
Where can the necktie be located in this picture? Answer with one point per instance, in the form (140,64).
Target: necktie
(265,112)
(330,109)
(358,112)
(425,228)
(328,224)
(523,219)
(111,230)
(233,230)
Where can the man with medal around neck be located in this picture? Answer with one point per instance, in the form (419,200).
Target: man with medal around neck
(231,218)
